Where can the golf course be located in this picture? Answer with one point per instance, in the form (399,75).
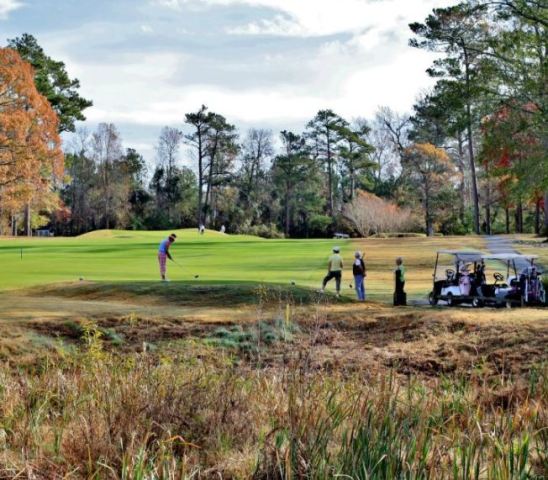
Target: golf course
(239,318)
(214,258)
(273,240)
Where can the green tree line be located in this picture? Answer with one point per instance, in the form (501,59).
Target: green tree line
(470,157)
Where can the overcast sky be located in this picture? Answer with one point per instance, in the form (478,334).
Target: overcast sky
(264,63)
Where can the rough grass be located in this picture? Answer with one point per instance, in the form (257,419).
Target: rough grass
(200,414)
(419,255)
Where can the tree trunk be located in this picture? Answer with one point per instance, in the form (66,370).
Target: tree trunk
(475,195)
(28,226)
(13,226)
(428,216)
(462,185)
(519,217)
(487,202)
(213,154)
(507,212)
(537,216)
(330,177)
(200,178)
(546,213)
(287,212)
(429,227)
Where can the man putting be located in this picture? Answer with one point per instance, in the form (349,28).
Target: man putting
(163,254)
(334,270)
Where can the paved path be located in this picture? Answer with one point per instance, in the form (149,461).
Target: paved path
(501,244)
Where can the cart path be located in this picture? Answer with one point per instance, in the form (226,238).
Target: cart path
(502,244)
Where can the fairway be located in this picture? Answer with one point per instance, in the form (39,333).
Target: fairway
(125,256)
(120,256)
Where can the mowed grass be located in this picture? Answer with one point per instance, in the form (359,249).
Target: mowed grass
(123,256)
(530,245)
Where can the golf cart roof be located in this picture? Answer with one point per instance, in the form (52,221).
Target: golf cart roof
(465,255)
(509,256)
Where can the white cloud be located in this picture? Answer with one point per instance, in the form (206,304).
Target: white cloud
(8,6)
(173,4)
(320,17)
(348,55)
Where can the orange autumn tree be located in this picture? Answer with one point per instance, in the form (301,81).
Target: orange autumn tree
(31,158)
(432,173)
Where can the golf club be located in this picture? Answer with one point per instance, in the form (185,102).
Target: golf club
(181,267)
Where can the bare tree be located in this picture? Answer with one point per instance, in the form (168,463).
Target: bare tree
(167,150)
(257,150)
(371,215)
(107,149)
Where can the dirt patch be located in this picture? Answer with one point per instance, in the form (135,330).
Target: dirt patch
(366,338)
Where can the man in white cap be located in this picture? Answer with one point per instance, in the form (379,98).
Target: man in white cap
(359,272)
(334,270)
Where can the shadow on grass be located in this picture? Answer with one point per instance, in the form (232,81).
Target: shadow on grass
(205,294)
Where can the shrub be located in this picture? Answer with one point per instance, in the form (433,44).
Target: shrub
(264,231)
(372,215)
(319,225)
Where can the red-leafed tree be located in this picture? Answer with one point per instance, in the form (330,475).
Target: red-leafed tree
(513,153)
(30,147)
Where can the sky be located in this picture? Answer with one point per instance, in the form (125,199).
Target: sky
(261,63)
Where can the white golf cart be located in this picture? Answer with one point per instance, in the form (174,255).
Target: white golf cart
(520,285)
(462,279)
(453,282)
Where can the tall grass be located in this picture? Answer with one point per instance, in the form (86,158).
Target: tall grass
(200,414)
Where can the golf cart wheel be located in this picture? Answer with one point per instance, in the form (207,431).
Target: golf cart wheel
(477,302)
(450,300)
(432,299)
(508,304)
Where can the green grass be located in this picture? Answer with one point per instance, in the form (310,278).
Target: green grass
(119,256)
(130,258)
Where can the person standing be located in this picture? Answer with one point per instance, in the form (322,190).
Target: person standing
(359,272)
(400,297)
(334,270)
(163,255)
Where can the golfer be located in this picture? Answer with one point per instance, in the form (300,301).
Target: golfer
(400,298)
(334,270)
(359,271)
(163,254)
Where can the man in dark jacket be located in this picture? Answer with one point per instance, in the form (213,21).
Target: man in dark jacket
(359,272)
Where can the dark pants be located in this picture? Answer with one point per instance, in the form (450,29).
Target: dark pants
(400,298)
(337,276)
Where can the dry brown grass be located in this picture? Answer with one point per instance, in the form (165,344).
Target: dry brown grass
(200,414)
(419,255)
(531,245)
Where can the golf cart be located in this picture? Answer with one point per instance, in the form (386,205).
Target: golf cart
(522,284)
(453,281)
(463,279)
